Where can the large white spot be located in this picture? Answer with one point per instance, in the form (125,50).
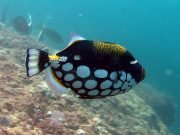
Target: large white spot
(83,71)
(59,74)
(101,73)
(81,91)
(114,76)
(55,65)
(68,77)
(77,84)
(114,92)
(105,92)
(123,76)
(106,84)
(129,77)
(125,86)
(67,67)
(132,83)
(118,84)
(91,84)
(77,57)
(93,92)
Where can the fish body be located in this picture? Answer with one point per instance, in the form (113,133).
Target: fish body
(50,34)
(91,69)
(22,25)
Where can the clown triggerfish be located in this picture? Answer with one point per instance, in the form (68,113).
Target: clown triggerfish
(91,69)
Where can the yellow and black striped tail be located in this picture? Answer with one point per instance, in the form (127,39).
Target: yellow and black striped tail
(36,61)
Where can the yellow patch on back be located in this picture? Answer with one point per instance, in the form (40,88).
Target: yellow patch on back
(53,57)
(110,48)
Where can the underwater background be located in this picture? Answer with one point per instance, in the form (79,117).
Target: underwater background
(149,29)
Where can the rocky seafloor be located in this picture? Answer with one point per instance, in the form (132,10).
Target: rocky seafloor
(27,107)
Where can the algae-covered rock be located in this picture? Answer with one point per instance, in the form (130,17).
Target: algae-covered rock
(126,114)
(161,103)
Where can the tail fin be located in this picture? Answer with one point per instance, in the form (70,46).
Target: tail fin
(36,61)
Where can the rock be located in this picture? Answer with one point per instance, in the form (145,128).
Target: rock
(49,113)
(4,121)
(28,126)
(80,132)
(102,130)
(97,120)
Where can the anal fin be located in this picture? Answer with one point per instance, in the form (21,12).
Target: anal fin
(54,84)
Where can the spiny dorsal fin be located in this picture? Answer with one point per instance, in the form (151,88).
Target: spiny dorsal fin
(75,37)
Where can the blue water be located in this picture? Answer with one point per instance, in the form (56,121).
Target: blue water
(149,29)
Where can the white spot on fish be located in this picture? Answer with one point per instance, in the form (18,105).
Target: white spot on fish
(91,84)
(118,84)
(81,91)
(129,77)
(67,67)
(77,57)
(106,84)
(101,73)
(132,83)
(68,77)
(59,74)
(114,92)
(55,65)
(77,84)
(125,86)
(93,92)
(123,76)
(114,76)
(83,71)
(105,92)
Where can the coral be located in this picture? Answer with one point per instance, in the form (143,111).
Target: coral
(80,132)
(161,103)
(125,114)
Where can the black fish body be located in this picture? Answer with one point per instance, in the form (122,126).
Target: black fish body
(91,69)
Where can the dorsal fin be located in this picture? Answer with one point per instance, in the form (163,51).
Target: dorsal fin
(75,37)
